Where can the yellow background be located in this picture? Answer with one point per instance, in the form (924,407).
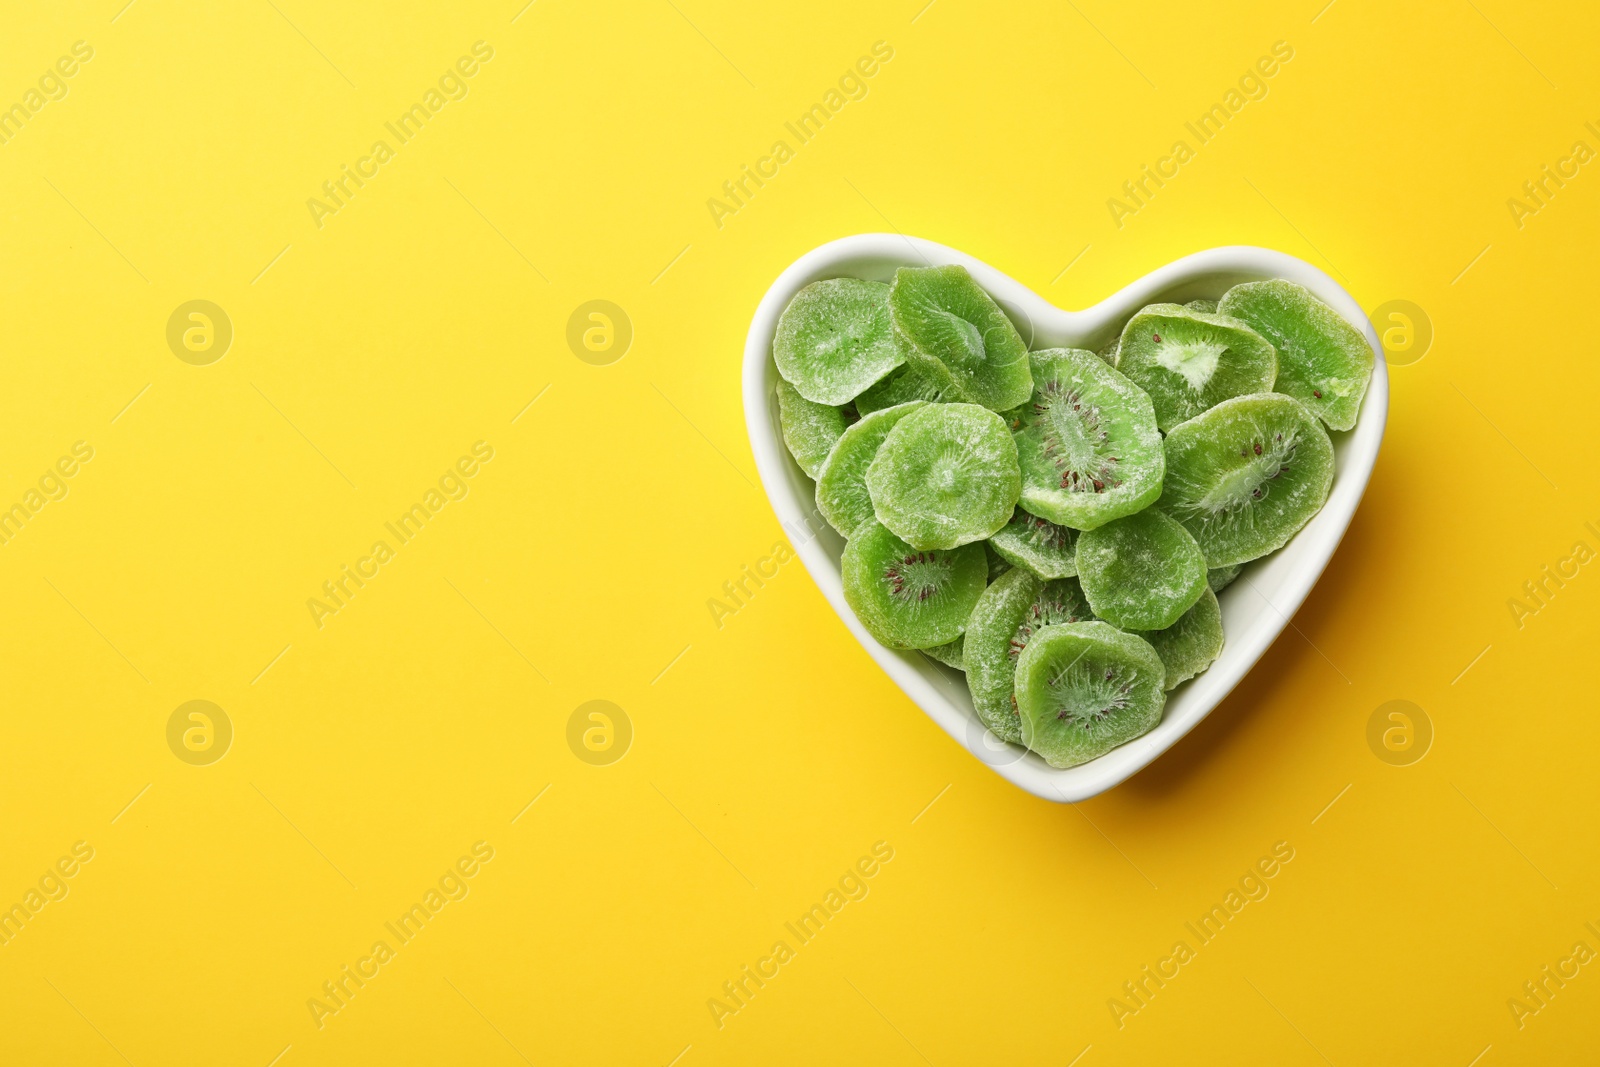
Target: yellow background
(769,753)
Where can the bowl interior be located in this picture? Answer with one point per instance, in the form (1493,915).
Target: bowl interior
(1255,608)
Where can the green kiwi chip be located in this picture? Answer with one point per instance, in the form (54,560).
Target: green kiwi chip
(955,333)
(1323,361)
(1207,306)
(1245,476)
(1141,572)
(1088,444)
(1219,578)
(908,597)
(1191,644)
(810,430)
(1083,688)
(1111,353)
(1189,361)
(998,564)
(945,475)
(951,654)
(841,483)
(1037,545)
(901,386)
(1015,607)
(834,339)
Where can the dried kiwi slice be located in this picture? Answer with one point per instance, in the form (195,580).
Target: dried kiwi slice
(841,483)
(1037,545)
(946,475)
(1246,476)
(835,339)
(997,563)
(1219,578)
(1141,572)
(1189,361)
(1084,688)
(908,598)
(1111,354)
(1088,445)
(956,334)
(1323,361)
(1207,306)
(951,654)
(1015,607)
(810,430)
(1191,644)
(903,385)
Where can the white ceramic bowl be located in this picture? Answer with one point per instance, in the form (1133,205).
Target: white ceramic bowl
(1255,609)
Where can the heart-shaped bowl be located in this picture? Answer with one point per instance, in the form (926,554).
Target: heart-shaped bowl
(1255,608)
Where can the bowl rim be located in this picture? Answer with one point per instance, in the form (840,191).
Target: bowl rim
(1290,573)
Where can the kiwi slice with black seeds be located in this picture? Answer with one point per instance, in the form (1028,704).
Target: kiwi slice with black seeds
(1245,476)
(1083,688)
(907,597)
(1189,361)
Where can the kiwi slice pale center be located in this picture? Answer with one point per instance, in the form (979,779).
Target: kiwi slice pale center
(1075,439)
(1194,361)
(968,337)
(1085,695)
(830,343)
(1265,459)
(947,469)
